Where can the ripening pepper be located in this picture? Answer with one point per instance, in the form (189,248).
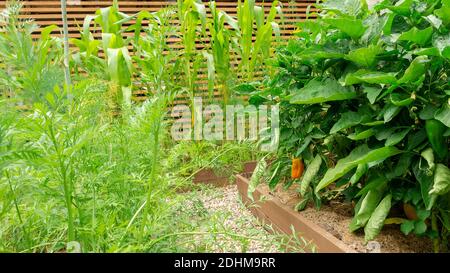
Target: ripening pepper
(297,168)
(435,132)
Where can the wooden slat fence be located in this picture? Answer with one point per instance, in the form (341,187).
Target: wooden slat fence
(46,13)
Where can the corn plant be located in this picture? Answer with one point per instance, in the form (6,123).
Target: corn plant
(116,61)
(221,48)
(254,54)
(192,24)
(153,55)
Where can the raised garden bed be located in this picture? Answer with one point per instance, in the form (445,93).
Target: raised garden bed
(282,217)
(211,177)
(328,227)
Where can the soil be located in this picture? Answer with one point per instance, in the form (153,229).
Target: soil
(335,217)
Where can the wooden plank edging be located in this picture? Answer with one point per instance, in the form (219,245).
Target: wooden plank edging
(209,177)
(282,217)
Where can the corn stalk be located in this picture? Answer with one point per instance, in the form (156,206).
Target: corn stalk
(221,48)
(254,54)
(192,18)
(117,61)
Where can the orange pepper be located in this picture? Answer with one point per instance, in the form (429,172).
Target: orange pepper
(297,168)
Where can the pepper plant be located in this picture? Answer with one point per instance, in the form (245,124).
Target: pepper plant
(365,101)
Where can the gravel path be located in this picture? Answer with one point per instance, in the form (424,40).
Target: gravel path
(231,226)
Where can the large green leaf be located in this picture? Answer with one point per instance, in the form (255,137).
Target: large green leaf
(352,27)
(345,7)
(114,55)
(390,111)
(429,51)
(317,91)
(368,205)
(402,7)
(360,171)
(347,120)
(441,184)
(362,135)
(46,31)
(257,175)
(443,114)
(376,183)
(376,221)
(201,11)
(367,76)
(418,36)
(407,226)
(415,71)
(442,43)
(365,56)
(444,12)
(395,138)
(211,71)
(426,183)
(428,155)
(310,173)
(372,93)
(120,65)
(360,155)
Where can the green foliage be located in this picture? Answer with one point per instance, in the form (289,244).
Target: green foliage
(376,221)
(310,173)
(256,177)
(360,155)
(367,91)
(116,62)
(28,68)
(73,179)
(173,56)
(321,91)
(70,176)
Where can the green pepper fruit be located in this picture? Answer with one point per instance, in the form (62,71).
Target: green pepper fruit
(435,132)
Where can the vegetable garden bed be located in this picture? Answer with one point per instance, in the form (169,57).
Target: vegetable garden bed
(327,227)
(282,218)
(210,177)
